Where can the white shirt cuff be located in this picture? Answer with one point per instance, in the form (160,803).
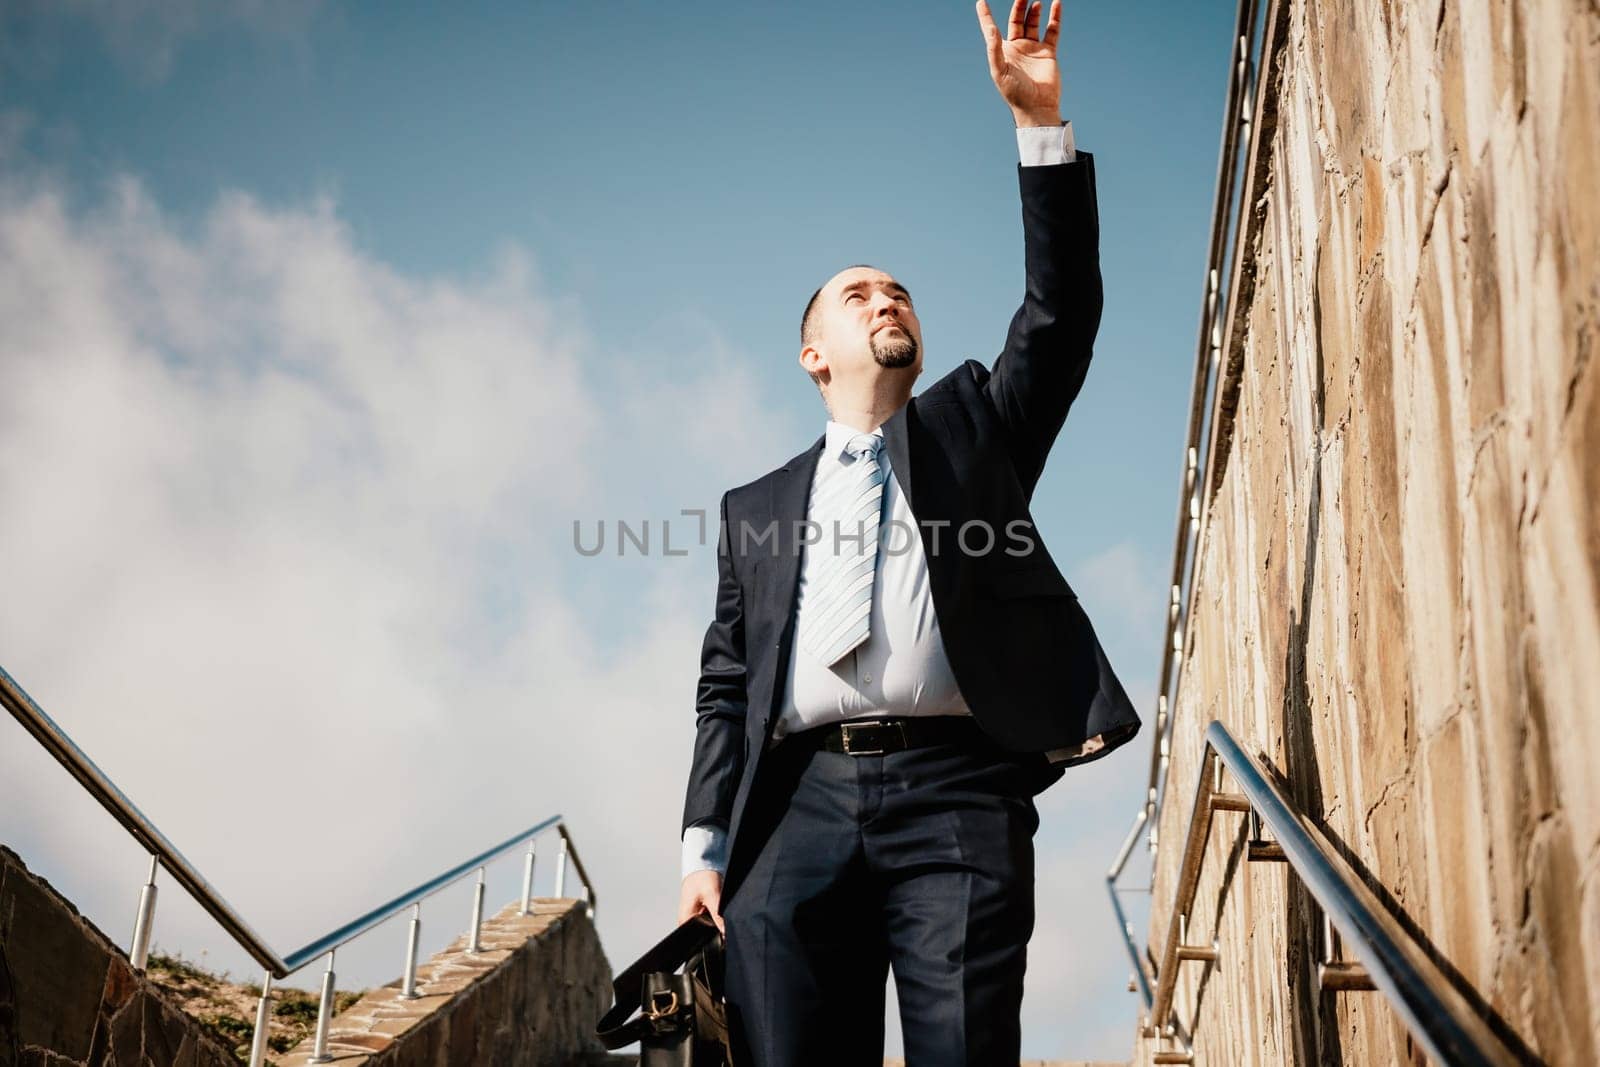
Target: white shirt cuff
(705,848)
(1040,146)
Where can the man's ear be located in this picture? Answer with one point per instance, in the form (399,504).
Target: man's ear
(813,362)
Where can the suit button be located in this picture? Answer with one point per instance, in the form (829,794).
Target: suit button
(867,678)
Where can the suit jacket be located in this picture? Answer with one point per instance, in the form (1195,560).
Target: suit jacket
(969,449)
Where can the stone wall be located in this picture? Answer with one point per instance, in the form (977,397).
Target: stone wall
(530,998)
(69,997)
(1397,595)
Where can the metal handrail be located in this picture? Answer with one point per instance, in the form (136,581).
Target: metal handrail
(1437,1013)
(164,854)
(336,939)
(1240,137)
(94,781)
(1240,133)
(1239,129)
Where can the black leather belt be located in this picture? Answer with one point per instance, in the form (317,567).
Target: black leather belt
(879,737)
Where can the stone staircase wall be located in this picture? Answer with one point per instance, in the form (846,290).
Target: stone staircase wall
(68,995)
(1397,595)
(530,998)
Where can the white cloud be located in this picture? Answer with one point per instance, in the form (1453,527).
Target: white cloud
(288,551)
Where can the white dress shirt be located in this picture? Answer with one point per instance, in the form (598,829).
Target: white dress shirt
(901,668)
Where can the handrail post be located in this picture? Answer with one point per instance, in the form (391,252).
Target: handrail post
(473,943)
(258,1041)
(569,851)
(561,868)
(527,878)
(1187,952)
(319,1053)
(1335,973)
(144,922)
(1257,847)
(408,985)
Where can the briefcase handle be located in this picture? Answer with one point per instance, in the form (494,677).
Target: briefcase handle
(615,1029)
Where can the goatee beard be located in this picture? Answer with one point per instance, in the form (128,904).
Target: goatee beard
(899,351)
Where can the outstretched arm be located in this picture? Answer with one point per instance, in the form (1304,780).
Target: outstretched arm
(1048,347)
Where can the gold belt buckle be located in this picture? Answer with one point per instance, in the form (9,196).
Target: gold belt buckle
(848,730)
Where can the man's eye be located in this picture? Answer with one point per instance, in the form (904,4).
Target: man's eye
(854,296)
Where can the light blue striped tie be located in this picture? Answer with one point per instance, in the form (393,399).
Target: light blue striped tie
(836,607)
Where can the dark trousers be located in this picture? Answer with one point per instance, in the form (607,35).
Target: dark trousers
(919,860)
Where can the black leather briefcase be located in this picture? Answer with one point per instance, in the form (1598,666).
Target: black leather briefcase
(681,1017)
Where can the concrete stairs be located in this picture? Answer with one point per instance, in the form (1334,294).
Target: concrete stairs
(530,996)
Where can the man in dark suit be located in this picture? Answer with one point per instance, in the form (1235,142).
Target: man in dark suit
(896,667)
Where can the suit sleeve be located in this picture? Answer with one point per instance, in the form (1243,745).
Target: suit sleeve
(720,701)
(1051,340)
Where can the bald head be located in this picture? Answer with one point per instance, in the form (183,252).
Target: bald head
(808,320)
(858,327)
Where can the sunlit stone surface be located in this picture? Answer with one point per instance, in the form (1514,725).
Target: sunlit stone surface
(1397,588)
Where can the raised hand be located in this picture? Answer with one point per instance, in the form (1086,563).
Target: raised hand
(1023,66)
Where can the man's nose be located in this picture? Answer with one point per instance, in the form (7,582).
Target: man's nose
(885,306)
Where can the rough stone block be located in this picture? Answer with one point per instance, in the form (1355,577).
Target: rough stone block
(69,997)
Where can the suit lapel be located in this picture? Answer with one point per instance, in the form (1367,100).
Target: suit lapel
(897,440)
(790,498)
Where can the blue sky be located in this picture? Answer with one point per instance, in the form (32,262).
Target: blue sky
(325,322)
